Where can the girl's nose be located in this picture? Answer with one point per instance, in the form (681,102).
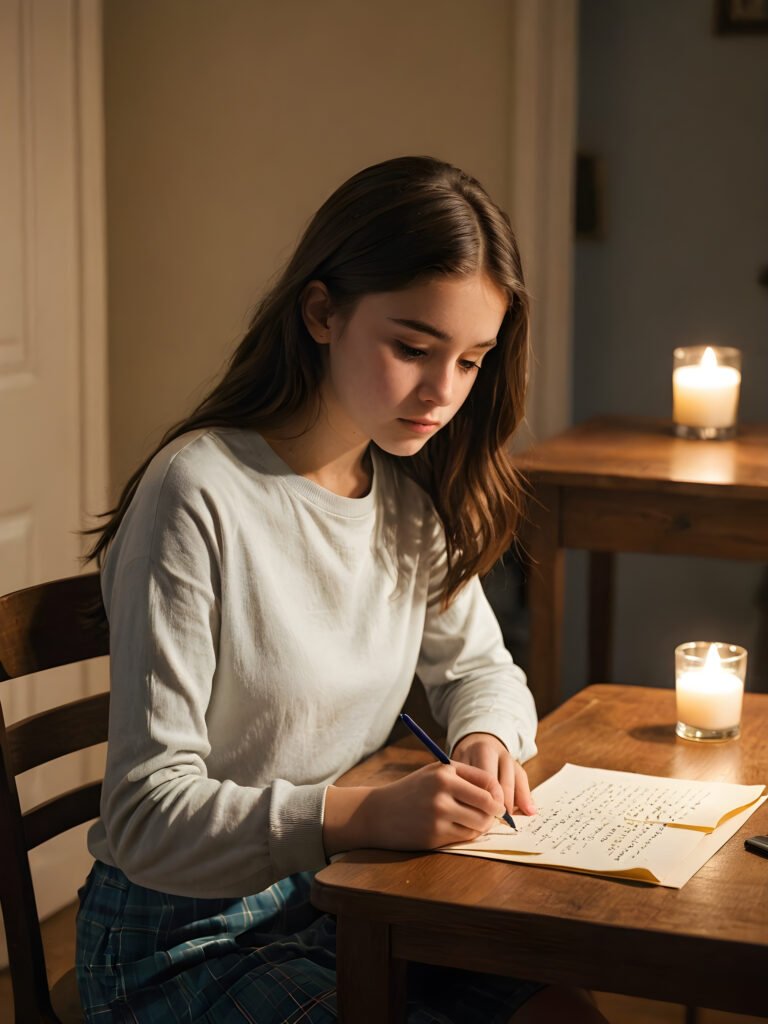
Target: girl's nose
(437,385)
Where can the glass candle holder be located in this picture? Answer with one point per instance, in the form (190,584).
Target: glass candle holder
(709,683)
(706,380)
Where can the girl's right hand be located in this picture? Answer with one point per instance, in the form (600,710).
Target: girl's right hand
(434,805)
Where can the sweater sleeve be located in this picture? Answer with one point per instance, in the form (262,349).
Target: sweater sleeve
(469,677)
(166,823)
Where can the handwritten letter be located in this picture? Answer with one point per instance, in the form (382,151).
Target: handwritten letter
(619,823)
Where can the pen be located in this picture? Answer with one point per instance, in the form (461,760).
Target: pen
(430,744)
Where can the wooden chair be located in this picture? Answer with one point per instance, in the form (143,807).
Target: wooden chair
(42,627)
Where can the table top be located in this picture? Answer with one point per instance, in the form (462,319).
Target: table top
(721,910)
(635,452)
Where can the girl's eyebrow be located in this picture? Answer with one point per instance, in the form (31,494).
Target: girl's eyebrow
(425,328)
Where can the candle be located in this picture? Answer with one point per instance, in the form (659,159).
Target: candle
(709,698)
(705,388)
(709,690)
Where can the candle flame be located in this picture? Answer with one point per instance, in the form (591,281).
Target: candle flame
(709,359)
(713,659)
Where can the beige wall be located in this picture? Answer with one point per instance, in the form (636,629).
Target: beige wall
(228,122)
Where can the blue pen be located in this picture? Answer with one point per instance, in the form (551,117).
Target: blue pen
(430,744)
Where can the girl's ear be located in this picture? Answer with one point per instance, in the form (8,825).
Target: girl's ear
(316,310)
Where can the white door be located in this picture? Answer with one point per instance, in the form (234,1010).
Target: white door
(52,344)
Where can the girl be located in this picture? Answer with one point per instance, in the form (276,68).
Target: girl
(274,575)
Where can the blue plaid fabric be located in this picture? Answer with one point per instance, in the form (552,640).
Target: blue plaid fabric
(145,957)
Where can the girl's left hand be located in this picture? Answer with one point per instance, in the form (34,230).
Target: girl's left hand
(483,750)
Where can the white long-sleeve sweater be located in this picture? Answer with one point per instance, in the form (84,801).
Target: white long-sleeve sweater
(264,634)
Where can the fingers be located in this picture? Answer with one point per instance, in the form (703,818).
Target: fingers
(523,797)
(483,751)
(478,791)
(461,795)
(440,804)
(430,807)
(481,778)
(514,782)
(488,753)
(508,780)
(486,758)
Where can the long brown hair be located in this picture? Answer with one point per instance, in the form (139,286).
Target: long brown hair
(386,228)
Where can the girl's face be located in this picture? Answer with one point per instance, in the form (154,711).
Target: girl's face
(401,365)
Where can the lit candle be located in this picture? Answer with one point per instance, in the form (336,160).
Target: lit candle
(706,393)
(709,690)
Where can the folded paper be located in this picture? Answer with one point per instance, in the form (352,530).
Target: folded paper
(622,825)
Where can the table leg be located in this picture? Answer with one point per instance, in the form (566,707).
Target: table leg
(600,617)
(370,982)
(545,597)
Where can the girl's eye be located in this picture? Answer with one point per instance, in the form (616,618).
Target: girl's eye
(408,352)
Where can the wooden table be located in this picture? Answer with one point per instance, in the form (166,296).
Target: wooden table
(617,484)
(705,944)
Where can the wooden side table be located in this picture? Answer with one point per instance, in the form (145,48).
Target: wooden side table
(618,484)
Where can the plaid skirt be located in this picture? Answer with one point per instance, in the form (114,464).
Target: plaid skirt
(145,956)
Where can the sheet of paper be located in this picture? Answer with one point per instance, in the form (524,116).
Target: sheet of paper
(710,844)
(622,824)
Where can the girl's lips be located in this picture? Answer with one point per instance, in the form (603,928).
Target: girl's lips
(421,426)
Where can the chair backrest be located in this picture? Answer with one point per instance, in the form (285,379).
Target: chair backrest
(57,623)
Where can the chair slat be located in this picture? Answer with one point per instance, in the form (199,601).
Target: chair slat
(25,947)
(52,624)
(62,730)
(61,813)
(43,627)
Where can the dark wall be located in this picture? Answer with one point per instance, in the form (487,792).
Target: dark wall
(676,117)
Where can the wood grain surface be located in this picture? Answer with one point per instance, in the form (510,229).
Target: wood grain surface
(630,452)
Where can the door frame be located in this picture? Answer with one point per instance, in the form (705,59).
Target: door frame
(59,867)
(542,162)
(91,199)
